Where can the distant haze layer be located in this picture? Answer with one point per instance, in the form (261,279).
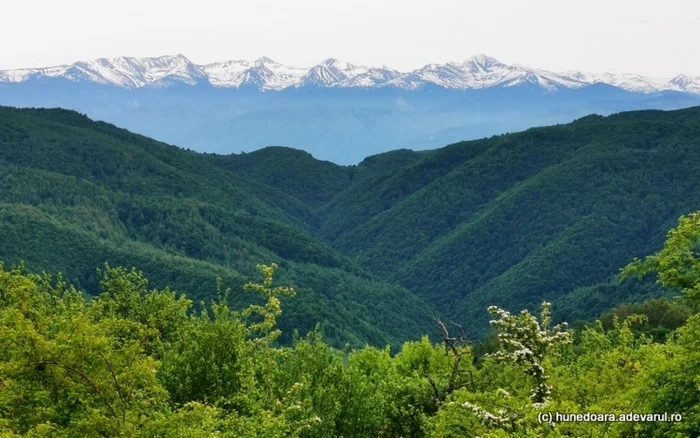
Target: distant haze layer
(336,110)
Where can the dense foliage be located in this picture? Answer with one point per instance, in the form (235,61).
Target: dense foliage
(374,250)
(134,361)
(75,194)
(545,214)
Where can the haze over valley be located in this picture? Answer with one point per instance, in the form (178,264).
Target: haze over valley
(335,110)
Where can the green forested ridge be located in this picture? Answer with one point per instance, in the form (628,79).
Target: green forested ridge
(478,229)
(545,214)
(136,361)
(293,171)
(75,194)
(312,181)
(549,213)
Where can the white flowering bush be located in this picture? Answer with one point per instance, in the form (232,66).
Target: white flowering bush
(526,341)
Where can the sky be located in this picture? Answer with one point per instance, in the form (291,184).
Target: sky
(618,36)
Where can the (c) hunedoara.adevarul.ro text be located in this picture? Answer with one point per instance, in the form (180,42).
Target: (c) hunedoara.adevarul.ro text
(630,417)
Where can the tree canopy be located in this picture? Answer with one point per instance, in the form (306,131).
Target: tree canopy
(135,361)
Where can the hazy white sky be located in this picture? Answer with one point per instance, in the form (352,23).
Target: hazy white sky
(655,38)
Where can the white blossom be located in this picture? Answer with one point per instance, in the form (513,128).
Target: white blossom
(526,341)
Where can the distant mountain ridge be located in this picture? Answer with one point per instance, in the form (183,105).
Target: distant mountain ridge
(477,72)
(336,110)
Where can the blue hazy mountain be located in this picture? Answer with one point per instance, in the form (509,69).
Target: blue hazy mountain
(335,110)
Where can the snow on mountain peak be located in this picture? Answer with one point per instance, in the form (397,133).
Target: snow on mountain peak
(264,60)
(627,81)
(478,71)
(686,83)
(483,62)
(329,62)
(332,73)
(336,63)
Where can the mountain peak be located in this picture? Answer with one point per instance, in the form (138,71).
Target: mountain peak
(333,72)
(686,83)
(477,72)
(177,58)
(484,62)
(264,60)
(681,78)
(336,63)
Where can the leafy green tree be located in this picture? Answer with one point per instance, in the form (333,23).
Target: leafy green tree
(68,369)
(134,361)
(209,360)
(670,385)
(678,263)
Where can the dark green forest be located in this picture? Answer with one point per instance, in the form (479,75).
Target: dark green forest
(149,290)
(75,194)
(546,214)
(375,251)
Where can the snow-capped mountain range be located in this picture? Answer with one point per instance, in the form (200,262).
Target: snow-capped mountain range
(477,72)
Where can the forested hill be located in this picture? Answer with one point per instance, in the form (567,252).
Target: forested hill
(549,213)
(75,194)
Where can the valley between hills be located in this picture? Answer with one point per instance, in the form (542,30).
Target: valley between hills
(375,250)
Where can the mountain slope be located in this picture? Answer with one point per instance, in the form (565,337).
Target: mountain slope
(538,214)
(311,181)
(516,219)
(75,194)
(546,214)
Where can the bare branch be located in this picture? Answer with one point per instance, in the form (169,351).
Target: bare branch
(462,335)
(453,345)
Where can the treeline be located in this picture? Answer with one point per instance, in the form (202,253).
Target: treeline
(135,361)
